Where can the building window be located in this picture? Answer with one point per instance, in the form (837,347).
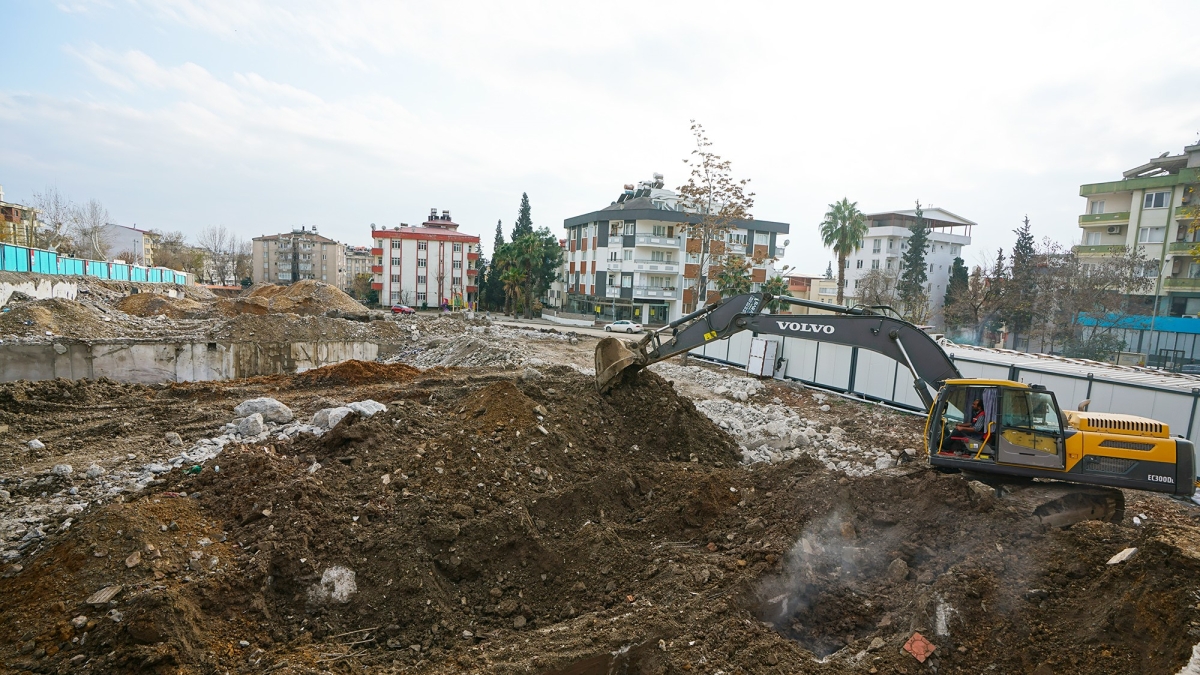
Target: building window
(420,262)
(395,297)
(457,264)
(954,250)
(420,297)
(761,238)
(457,247)
(891,244)
(630,228)
(858,264)
(737,238)
(1093,239)
(421,279)
(1151,235)
(612,256)
(657,256)
(1156,200)
(1096,208)
(888,263)
(847,263)
(395,262)
(876,246)
(421,245)
(629,254)
(660,230)
(395,278)
(875,263)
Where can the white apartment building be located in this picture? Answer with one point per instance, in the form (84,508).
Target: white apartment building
(426,265)
(887,240)
(631,260)
(130,242)
(299,254)
(358,261)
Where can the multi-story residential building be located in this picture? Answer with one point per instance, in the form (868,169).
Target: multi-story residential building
(358,261)
(130,242)
(633,260)
(18,224)
(887,240)
(426,265)
(810,287)
(296,255)
(1148,208)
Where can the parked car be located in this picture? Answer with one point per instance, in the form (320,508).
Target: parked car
(623,326)
(403,309)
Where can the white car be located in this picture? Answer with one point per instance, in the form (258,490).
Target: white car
(623,326)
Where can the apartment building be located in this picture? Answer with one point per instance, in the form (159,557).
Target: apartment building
(358,261)
(426,265)
(814,287)
(300,254)
(1148,208)
(633,259)
(887,240)
(18,224)
(130,242)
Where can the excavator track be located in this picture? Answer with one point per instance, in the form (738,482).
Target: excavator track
(1053,504)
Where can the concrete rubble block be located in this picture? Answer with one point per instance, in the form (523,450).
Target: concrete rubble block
(328,418)
(173,439)
(251,425)
(1122,556)
(885,462)
(35,444)
(95,471)
(337,585)
(61,470)
(270,409)
(367,408)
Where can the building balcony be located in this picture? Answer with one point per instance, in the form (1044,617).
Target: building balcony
(377,269)
(666,266)
(377,251)
(613,266)
(472,256)
(472,289)
(472,271)
(1101,249)
(1106,218)
(377,286)
(1182,247)
(655,293)
(1181,284)
(657,241)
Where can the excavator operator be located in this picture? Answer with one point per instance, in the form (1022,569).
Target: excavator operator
(969,431)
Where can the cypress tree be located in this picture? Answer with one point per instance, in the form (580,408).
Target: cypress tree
(524,224)
(958,286)
(1022,286)
(499,241)
(913,275)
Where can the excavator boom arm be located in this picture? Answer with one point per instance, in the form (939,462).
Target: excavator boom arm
(894,338)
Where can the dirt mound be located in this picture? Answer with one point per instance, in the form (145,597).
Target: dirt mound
(493,523)
(238,306)
(155,304)
(357,372)
(59,318)
(306,297)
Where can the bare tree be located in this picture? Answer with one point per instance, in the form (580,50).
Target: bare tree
(229,254)
(720,201)
(55,214)
(877,288)
(89,228)
(172,250)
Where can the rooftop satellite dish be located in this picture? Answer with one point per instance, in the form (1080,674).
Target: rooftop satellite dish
(787,242)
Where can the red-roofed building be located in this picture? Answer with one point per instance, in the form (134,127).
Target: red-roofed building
(425,265)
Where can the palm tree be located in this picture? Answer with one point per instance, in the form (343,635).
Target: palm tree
(513,279)
(777,287)
(733,277)
(843,230)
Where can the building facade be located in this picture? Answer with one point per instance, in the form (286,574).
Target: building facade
(300,254)
(887,240)
(427,265)
(633,259)
(814,287)
(18,224)
(1149,208)
(130,242)
(358,261)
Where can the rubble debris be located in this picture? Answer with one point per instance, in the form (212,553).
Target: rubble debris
(919,647)
(1122,556)
(268,410)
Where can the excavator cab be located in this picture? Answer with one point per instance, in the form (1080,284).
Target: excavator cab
(998,421)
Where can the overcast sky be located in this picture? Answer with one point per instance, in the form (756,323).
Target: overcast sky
(178,114)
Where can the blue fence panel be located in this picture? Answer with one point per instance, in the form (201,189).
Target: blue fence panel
(8,255)
(138,274)
(25,259)
(155,275)
(45,262)
(120,272)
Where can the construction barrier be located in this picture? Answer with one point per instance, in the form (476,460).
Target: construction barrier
(38,261)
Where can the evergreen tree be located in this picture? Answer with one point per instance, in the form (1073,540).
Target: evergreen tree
(956,290)
(490,285)
(1020,293)
(829,271)
(524,224)
(913,275)
(499,241)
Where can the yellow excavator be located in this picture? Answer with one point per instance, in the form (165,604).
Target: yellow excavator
(1004,433)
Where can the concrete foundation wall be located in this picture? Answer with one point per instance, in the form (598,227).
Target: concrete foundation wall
(149,362)
(39,289)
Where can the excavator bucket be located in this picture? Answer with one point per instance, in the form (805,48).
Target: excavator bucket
(615,360)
